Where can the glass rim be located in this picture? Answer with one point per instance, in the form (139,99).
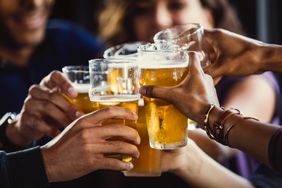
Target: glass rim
(199,28)
(75,68)
(119,46)
(174,49)
(121,60)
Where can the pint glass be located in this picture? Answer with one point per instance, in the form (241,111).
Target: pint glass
(188,37)
(114,82)
(148,163)
(79,76)
(166,125)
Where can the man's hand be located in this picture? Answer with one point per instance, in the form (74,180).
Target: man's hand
(83,146)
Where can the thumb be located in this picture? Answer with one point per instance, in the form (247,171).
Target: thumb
(155,92)
(195,63)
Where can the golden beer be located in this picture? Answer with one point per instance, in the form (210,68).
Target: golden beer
(148,163)
(126,101)
(166,125)
(123,80)
(82,101)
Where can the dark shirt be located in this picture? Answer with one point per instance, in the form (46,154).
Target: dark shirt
(64,44)
(275,151)
(22,169)
(265,177)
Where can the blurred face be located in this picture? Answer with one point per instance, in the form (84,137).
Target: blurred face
(23,22)
(152,16)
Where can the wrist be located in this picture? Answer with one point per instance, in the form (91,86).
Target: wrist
(15,137)
(270,57)
(47,163)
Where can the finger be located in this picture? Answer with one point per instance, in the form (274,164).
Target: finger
(117,131)
(113,112)
(155,92)
(38,127)
(56,79)
(55,98)
(117,147)
(195,64)
(44,109)
(114,164)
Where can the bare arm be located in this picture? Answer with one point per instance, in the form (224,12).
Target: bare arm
(233,54)
(198,169)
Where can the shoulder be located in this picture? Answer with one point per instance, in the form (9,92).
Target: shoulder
(71,35)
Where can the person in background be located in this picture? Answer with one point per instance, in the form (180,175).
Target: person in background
(125,20)
(31,47)
(80,149)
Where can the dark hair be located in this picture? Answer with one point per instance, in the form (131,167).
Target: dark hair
(115,20)
(224,15)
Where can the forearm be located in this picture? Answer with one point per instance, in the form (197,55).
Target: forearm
(271,57)
(248,135)
(202,171)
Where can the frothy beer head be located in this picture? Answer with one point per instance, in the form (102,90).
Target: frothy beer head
(81,88)
(151,57)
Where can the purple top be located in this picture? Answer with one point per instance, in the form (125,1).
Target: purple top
(242,163)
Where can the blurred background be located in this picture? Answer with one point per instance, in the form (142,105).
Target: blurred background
(261,19)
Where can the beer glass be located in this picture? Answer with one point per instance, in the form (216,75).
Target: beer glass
(188,37)
(114,82)
(166,125)
(125,50)
(79,76)
(148,163)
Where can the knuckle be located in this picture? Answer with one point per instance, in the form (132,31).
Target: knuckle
(54,74)
(53,96)
(84,135)
(33,89)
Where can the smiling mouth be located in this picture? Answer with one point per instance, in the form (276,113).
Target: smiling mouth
(35,21)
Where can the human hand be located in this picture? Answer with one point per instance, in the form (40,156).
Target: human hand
(232,54)
(83,146)
(183,161)
(192,96)
(45,111)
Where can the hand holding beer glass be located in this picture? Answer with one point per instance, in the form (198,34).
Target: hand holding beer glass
(188,37)
(79,76)
(167,127)
(149,162)
(114,82)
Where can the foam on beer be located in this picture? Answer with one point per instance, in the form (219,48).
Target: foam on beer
(146,63)
(81,88)
(123,64)
(114,98)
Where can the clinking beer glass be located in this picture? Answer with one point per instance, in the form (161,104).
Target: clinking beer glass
(114,82)
(167,127)
(79,76)
(149,162)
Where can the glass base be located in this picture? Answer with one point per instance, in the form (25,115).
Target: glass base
(168,146)
(141,174)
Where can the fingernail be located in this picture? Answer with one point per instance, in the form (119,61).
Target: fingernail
(79,114)
(129,166)
(72,92)
(135,116)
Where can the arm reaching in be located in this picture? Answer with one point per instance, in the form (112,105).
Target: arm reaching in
(233,54)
